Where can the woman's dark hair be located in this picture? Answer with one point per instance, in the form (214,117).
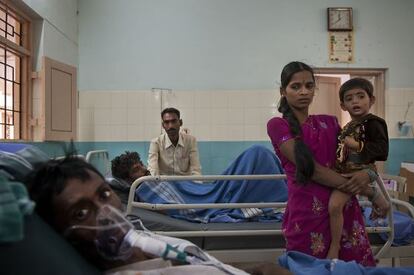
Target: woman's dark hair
(303,156)
(355,83)
(50,179)
(121,165)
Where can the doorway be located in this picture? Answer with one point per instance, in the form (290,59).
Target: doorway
(326,100)
(329,80)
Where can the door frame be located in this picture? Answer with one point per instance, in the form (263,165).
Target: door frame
(379,89)
(379,85)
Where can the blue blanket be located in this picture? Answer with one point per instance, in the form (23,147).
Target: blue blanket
(403,227)
(300,264)
(255,160)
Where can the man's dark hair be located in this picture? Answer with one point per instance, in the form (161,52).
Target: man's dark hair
(170,110)
(121,165)
(50,179)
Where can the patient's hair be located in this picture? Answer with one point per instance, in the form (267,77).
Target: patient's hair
(170,110)
(121,165)
(50,179)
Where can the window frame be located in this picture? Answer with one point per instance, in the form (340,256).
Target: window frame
(24,51)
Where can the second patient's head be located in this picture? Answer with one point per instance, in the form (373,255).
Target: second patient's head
(128,167)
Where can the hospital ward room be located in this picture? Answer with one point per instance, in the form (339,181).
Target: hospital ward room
(206,137)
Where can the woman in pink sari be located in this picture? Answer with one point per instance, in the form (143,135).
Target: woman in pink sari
(306,145)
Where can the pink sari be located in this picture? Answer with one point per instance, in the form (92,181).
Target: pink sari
(306,220)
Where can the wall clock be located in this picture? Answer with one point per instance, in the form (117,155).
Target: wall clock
(340,19)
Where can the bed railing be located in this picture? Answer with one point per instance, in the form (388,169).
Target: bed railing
(77,156)
(390,217)
(100,160)
(131,203)
(150,206)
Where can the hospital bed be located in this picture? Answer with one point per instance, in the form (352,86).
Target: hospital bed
(247,241)
(240,242)
(56,255)
(100,160)
(24,257)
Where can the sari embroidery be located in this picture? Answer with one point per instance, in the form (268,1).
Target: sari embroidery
(317,206)
(297,228)
(317,245)
(357,236)
(306,226)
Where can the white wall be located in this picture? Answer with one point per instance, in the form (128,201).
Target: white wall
(222,60)
(219,115)
(56,35)
(231,44)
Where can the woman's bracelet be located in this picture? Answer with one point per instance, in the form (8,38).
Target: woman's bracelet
(373,176)
(375,194)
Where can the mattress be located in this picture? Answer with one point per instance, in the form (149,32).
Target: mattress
(156,221)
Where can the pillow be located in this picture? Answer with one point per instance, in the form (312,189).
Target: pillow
(120,187)
(17,160)
(42,251)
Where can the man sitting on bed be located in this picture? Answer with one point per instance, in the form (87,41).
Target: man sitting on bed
(173,152)
(69,193)
(256,160)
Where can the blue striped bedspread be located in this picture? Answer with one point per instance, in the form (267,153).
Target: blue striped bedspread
(255,160)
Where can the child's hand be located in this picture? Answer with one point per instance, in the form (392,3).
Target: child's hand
(351,143)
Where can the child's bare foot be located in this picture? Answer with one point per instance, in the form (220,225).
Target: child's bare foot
(380,208)
(333,252)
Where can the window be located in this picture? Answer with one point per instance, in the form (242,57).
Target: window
(14,59)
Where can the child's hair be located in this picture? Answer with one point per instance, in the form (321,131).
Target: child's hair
(121,165)
(355,83)
(303,156)
(50,179)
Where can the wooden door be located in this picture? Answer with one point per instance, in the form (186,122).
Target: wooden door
(60,100)
(326,100)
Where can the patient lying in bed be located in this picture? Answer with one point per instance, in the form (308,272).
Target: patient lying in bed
(70,195)
(254,160)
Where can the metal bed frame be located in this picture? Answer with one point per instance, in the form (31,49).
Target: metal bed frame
(102,155)
(252,255)
(97,153)
(384,251)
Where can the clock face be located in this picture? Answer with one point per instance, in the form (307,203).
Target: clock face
(340,19)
